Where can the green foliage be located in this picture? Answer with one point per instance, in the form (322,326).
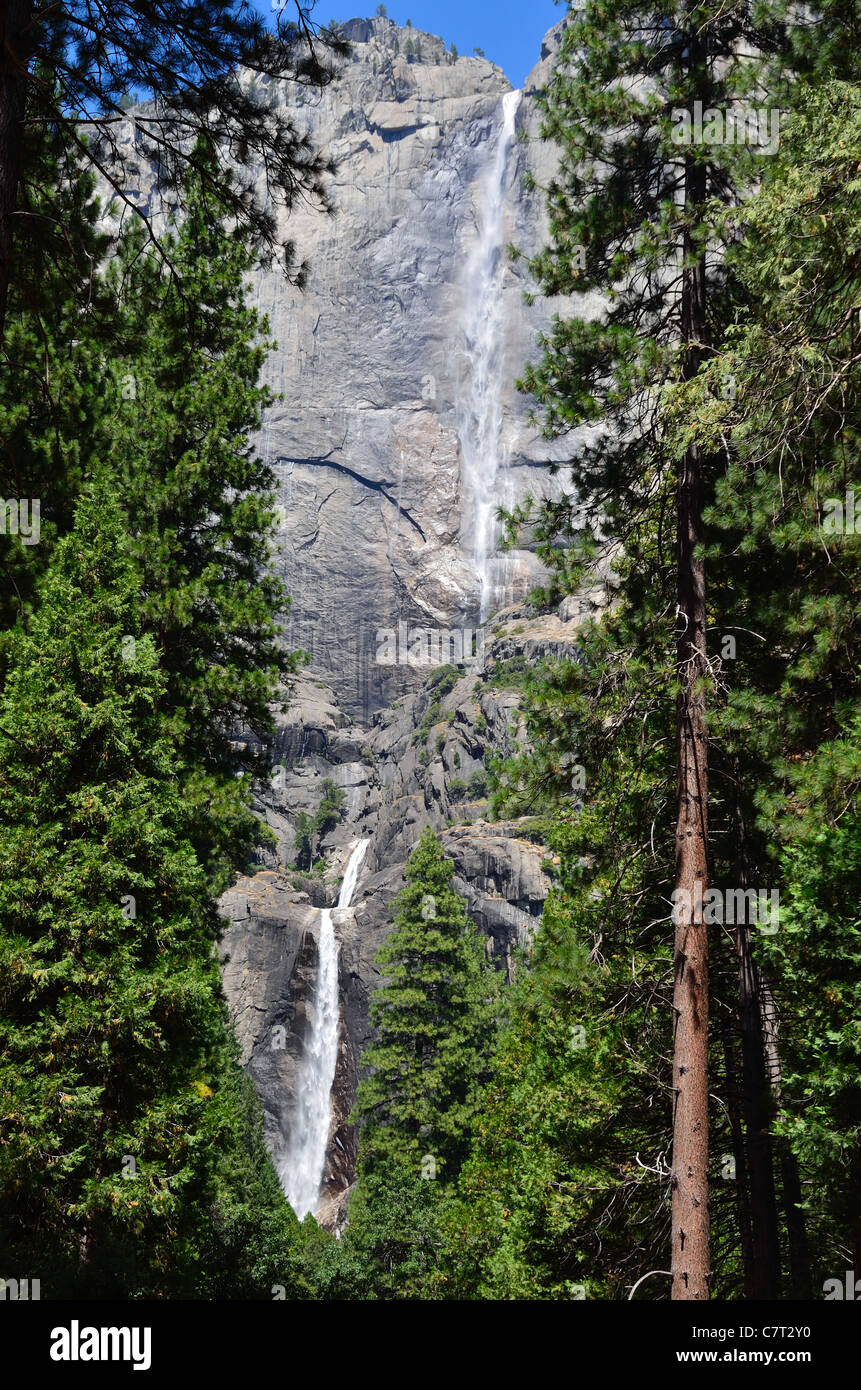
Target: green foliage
(550,1197)
(114,1033)
(330,812)
(509,674)
(53,399)
(477,785)
(311,829)
(132,1161)
(74,68)
(626,207)
(435,1018)
(440,684)
(200,503)
(814,958)
(392,1246)
(782,722)
(443,680)
(434,1021)
(303,846)
(248,1241)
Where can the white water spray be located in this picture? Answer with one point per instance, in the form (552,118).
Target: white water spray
(481,378)
(301,1168)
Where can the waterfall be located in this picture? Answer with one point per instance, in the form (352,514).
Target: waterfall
(351,877)
(301,1169)
(481,375)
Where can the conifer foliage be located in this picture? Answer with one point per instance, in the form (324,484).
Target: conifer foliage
(434,1021)
(79,64)
(112,1026)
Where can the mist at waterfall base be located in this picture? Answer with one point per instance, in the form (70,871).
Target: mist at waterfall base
(301,1168)
(481,377)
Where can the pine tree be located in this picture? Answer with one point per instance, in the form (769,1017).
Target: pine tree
(435,1019)
(200,503)
(785,430)
(330,812)
(52,397)
(303,848)
(131,1156)
(635,217)
(434,1023)
(73,65)
(112,1021)
(787,582)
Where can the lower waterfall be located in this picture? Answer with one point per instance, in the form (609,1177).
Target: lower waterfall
(301,1169)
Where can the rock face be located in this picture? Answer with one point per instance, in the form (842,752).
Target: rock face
(374,360)
(376,366)
(377,369)
(421,762)
(396,388)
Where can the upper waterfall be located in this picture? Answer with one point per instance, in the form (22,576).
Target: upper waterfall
(481,375)
(302,1167)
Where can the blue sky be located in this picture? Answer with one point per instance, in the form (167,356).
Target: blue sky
(509,31)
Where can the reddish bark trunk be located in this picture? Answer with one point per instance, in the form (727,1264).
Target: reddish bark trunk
(690,1258)
(15,54)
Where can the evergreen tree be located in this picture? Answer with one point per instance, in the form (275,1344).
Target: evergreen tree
(200,503)
(73,64)
(392,1246)
(552,1202)
(303,846)
(786,568)
(114,1036)
(435,1019)
(53,402)
(790,423)
(635,216)
(330,812)
(434,1024)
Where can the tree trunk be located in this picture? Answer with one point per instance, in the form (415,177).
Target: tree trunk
(800,1275)
(690,1259)
(15,54)
(764,1279)
(742,1187)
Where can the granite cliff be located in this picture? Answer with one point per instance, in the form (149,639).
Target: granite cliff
(420,762)
(376,358)
(398,431)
